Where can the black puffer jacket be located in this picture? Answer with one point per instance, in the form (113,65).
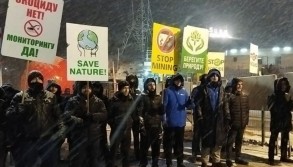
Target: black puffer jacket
(121,111)
(239,110)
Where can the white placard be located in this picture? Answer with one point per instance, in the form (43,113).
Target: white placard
(253,63)
(87,53)
(32,29)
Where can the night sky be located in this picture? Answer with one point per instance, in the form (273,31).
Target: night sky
(265,23)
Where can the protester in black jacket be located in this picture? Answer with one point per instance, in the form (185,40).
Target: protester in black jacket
(150,116)
(280,105)
(84,119)
(239,112)
(213,118)
(135,93)
(98,91)
(196,141)
(120,119)
(37,118)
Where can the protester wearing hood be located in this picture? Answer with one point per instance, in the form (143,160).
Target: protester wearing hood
(213,118)
(35,114)
(175,101)
(239,111)
(120,119)
(151,112)
(196,137)
(84,119)
(56,89)
(135,93)
(280,105)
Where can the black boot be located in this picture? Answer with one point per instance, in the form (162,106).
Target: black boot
(284,159)
(229,163)
(271,162)
(240,161)
(218,164)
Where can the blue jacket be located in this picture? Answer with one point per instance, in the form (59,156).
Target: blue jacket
(175,101)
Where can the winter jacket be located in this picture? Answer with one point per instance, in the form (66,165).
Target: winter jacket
(38,116)
(83,122)
(175,101)
(151,110)
(280,109)
(213,124)
(239,110)
(120,111)
(280,105)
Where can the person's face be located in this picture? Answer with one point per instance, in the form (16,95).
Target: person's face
(283,86)
(178,82)
(86,90)
(214,78)
(125,90)
(53,89)
(239,86)
(151,86)
(36,80)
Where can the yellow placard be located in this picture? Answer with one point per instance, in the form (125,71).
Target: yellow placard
(215,60)
(164,60)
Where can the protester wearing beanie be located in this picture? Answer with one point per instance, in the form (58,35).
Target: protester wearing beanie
(120,121)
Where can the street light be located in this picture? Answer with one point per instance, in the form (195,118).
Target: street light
(276,49)
(219,33)
(287,48)
(233,51)
(243,50)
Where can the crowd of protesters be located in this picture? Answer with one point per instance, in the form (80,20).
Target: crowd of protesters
(36,122)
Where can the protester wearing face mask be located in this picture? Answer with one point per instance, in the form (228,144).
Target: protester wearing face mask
(38,121)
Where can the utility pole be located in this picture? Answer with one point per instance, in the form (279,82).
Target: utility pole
(140,29)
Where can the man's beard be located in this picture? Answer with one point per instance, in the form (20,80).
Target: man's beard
(152,92)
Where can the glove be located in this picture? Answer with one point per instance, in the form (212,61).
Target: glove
(21,108)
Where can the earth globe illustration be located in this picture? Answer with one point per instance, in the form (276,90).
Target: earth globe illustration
(87,40)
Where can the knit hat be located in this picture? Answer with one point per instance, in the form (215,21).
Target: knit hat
(122,84)
(34,74)
(213,72)
(132,80)
(81,84)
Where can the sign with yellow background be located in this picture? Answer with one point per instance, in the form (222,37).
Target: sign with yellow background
(216,60)
(164,59)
